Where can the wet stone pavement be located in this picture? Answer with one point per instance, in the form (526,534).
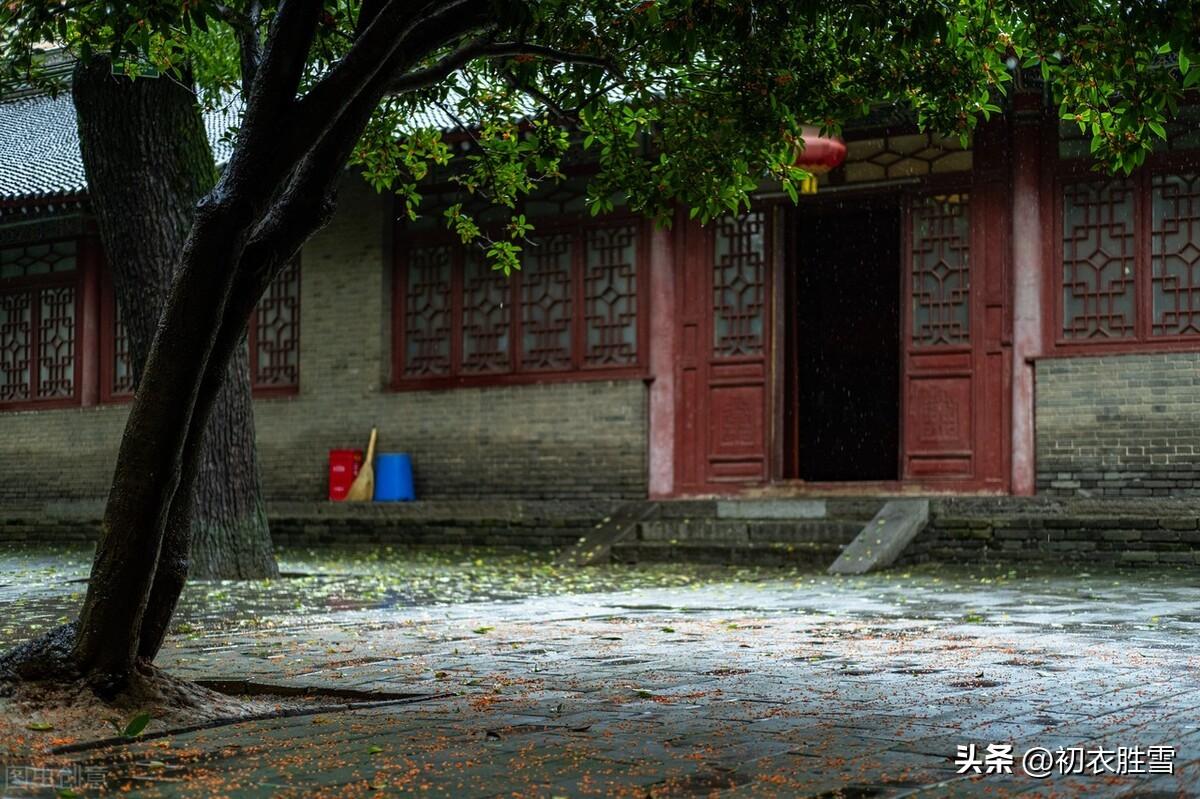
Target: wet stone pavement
(671,682)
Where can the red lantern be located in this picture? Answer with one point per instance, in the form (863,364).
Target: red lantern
(820,155)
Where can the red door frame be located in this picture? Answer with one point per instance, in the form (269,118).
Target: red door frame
(701,470)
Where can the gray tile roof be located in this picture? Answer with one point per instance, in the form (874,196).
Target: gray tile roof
(39,146)
(39,143)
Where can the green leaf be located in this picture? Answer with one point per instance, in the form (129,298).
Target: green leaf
(39,726)
(135,725)
(374,750)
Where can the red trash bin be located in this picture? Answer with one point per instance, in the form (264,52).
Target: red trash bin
(343,468)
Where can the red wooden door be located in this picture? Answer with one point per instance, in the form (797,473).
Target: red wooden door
(954,398)
(724,288)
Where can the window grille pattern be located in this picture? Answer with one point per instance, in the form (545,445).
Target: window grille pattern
(610,296)
(427,312)
(573,306)
(941,271)
(38,322)
(1175,254)
(275,351)
(1098,297)
(904,155)
(56,343)
(547,291)
(37,259)
(485,314)
(273,337)
(739,284)
(16,344)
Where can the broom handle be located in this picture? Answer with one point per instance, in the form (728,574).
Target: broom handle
(371,447)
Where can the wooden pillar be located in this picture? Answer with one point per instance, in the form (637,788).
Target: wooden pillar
(662,364)
(87,334)
(1028,263)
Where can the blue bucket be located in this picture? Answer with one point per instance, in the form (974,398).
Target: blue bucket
(394,477)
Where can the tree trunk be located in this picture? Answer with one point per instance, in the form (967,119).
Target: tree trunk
(148,162)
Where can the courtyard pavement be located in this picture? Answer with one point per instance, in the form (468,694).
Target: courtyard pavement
(500,677)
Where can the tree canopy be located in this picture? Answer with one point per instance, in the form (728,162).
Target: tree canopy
(679,102)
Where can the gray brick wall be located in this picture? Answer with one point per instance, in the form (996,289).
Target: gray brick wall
(1121,425)
(558,440)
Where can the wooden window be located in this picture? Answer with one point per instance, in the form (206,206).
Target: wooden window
(273,336)
(39,309)
(1128,274)
(1175,254)
(739,282)
(941,271)
(574,310)
(1098,260)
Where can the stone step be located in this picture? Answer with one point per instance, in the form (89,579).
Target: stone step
(738,533)
(783,509)
(814,555)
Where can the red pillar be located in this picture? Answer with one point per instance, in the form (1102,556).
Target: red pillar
(87,335)
(1028,249)
(662,364)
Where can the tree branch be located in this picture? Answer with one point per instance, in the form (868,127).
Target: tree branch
(481,47)
(540,96)
(245,30)
(382,38)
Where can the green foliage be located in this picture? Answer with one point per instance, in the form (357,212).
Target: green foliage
(692,103)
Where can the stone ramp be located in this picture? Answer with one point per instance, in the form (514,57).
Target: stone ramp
(884,538)
(596,546)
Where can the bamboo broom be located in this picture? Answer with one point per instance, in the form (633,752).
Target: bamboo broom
(363,487)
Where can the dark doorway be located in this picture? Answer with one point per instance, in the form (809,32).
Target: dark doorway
(842,396)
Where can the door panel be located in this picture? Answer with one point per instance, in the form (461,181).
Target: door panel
(939,436)
(724,284)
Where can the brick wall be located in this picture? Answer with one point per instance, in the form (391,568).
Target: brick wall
(556,440)
(1121,425)
(1078,531)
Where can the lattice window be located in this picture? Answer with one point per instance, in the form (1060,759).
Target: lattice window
(573,307)
(610,296)
(1098,295)
(38,322)
(428,312)
(904,155)
(37,259)
(275,336)
(56,343)
(941,271)
(16,346)
(122,365)
(739,284)
(547,292)
(485,318)
(1175,255)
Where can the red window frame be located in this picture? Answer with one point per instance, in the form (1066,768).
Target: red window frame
(1142,339)
(34,285)
(109,345)
(516,373)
